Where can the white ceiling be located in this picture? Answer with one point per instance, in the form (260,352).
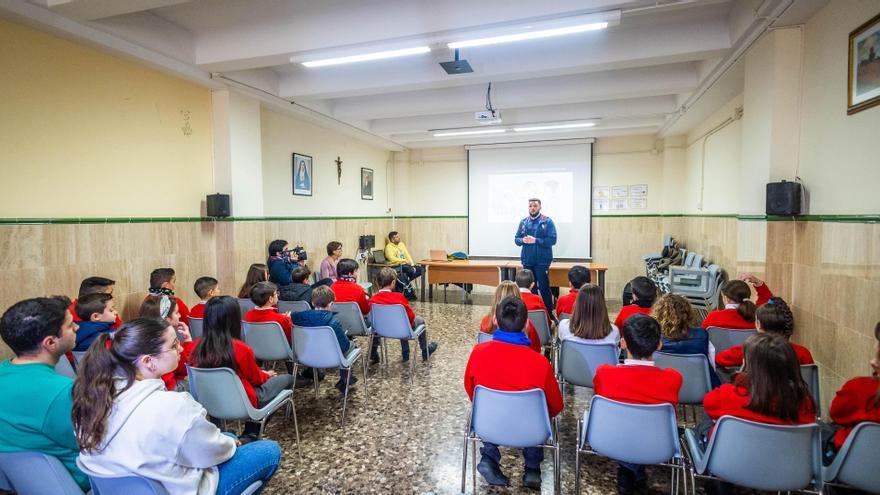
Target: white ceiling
(648,74)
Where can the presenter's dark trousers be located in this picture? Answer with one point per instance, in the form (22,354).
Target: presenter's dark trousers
(542,279)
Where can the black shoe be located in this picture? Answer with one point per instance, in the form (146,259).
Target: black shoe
(247,438)
(532,478)
(626,481)
(374,359)
(302,382)
(491,472)
(340,385)
(432,348)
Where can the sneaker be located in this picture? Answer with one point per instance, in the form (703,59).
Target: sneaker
(626,481)
(532,478)
(432,348)
(340,385)
(491,472)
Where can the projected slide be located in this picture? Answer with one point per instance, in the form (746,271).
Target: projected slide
(509,192)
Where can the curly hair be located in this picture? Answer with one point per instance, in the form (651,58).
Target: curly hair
(675,315)
(776,317)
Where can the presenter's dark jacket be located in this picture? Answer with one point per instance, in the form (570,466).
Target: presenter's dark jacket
(544,232)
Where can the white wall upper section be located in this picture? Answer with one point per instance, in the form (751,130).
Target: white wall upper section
(625,161)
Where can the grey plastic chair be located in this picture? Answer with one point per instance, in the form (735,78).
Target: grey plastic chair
(857,464)
(35,473)
(810,374)
(78,356)
(349,314)
(696,380)
(578,361)
(725,338)
(293,306)
(63,367)
(196,327)
(268,341)
(644,434)
(246,305)
(565,316)
(538,317)
(390,322)
(514,419)
(483,337)
(135,485)
(220,392)
(317,347)
(758,455)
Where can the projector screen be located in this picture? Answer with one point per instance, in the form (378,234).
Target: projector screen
(501,179)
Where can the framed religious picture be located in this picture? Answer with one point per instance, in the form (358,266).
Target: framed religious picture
(366,183)
(302,175)
(863,89)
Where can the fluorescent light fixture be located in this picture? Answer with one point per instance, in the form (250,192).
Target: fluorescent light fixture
(529,35)
(470,133)
(553,127)
(368,56)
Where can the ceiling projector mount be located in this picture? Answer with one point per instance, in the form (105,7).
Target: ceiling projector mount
(456,66)
(490,115)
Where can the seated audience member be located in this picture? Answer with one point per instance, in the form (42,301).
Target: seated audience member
(162,281)
(166,308)
(577,277)
(506,363)
(858,400)
(774,317)
(399,258)
(328,264)
(36,401)
(525,280)
(644,292)
(300,289)
(221,347)
(346,287)
(205,288)
(282,261)
(680,333)
(256,273)
(386,279)
(265,296)
(504,290)
(127,423)
(637,381)
(322,316)
(97,315)
(95,285)
(589,321)
(739,310)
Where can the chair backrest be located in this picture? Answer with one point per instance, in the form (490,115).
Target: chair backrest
(694,369)
(538,317)
(78,356)
(762,456)
(63,367)
(857,464)
(267,340)
(390,321)
(220,392)
(578,361)
(635,433)
(246,305)
(810,373)
(37,473)
(725,338)
(349,314)
(293,306)
(317,347)
(131,484)
(565,316)
(483,337)
(513,419)
(196,327)
(689,259)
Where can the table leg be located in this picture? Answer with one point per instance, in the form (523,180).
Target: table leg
(424,278)
(602,279)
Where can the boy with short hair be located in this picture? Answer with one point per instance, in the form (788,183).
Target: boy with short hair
(386,279)
(163,281)
(525,280)
(97,315)
(205,288)
(644,292)
(37,401)
(578,276)
(637,381)
(265,296)
(346,287)
(299,290)
(94,285)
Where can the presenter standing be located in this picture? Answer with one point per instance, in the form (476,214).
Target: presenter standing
(537,235)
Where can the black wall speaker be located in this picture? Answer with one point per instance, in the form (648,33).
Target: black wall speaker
(218,205)
(784,198)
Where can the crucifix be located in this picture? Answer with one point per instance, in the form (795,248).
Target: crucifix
(338,162)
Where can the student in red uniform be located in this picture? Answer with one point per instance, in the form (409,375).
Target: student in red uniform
(858,400)
(577,277)
(739,310)
(205,288)
(637,381)
(386,279)
(258,272)
(346,287)
(162,281)
(506,363)
(774,317)
(265,296)
(221,347)
(644,292)
(525,280)
(165,307)
(506,289)
(95,285)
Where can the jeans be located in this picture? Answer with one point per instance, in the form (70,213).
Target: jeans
(404,345)
(256,461)
(542,284)
(532,455)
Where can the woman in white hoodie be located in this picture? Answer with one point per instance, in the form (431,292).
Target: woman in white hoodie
(126,422)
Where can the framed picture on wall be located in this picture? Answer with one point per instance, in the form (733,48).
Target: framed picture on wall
(864,67)
(366,183)
(302,175)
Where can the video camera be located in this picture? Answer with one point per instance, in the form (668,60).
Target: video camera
(299,251)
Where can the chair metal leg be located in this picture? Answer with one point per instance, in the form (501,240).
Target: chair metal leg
(474,463)
(262,427)
(464,457)
(345,396)
(315,380)
(296,428)
(364,362)
(412,363)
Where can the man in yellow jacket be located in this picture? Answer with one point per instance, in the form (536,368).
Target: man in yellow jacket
(399,258)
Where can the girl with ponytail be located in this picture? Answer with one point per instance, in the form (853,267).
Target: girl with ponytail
(774,317)
(126,422)
(859,399)
(163,306)
(739,310)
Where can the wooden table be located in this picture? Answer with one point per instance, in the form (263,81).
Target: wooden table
(559,272)
(478,272)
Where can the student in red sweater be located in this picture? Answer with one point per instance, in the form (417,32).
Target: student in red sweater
(506,289)
(739,310)
(346,287)
(386,279)
(637,381)
(165,308)
(644,292)
(525,280)
(577,277)
(774,317)
(205,288)
(265,296)
(162,281)
(221,347)
(858,400)
(506,363)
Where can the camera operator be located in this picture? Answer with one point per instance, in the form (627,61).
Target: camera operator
(282,261)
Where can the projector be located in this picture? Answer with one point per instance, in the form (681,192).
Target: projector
(488,117)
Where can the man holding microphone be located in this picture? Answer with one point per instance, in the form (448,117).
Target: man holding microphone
(537,235)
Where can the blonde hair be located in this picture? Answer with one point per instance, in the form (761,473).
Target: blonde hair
(675,315)
(505,289)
